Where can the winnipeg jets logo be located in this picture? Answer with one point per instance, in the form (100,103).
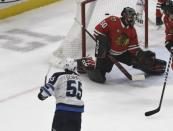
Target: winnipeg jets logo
(52,79)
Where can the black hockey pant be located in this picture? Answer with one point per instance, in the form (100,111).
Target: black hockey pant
(105,64)
(66,121)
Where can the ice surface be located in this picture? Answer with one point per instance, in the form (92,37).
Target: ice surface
(117,105)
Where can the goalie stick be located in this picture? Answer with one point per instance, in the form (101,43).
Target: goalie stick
(125,72)
(152,112)
(120,67)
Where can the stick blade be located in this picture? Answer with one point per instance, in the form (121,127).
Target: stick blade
(149,113)
(138,77)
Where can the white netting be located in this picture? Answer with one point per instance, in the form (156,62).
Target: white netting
(71,45)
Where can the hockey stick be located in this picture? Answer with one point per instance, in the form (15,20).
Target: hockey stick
(45,79)
(120,67)
(11,97)
(152,112)
(4,2)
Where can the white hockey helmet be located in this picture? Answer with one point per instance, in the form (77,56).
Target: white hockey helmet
(70,64)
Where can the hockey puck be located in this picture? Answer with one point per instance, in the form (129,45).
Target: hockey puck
(107,14)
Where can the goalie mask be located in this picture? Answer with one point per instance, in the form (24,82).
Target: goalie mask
(128,16)
(70,64)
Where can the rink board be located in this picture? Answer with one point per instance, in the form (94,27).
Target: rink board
(14,8)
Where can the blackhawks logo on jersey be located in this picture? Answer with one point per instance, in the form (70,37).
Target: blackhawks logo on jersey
(123,40)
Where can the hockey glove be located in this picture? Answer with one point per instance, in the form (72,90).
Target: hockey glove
(85,63)
(169,46)
(40,96)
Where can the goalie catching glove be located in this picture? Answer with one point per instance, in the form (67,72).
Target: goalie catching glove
(84,64)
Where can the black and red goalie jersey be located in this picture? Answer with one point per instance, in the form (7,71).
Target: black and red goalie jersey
(122,38)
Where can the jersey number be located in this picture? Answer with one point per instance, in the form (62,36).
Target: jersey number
(104,24)
(74,89)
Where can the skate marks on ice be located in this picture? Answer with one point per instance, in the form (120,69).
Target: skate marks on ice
(2,100)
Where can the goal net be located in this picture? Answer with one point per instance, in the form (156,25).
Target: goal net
(89,13)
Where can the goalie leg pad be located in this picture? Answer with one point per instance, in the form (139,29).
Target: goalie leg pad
(97,76)
(102,46)
(104,64)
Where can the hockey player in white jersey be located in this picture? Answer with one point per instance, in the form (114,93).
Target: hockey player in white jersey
(66,87)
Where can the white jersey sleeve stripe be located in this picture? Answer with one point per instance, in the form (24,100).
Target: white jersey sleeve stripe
(133,48)
(48,85)
(45,90)
(130,46)
(96,32)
